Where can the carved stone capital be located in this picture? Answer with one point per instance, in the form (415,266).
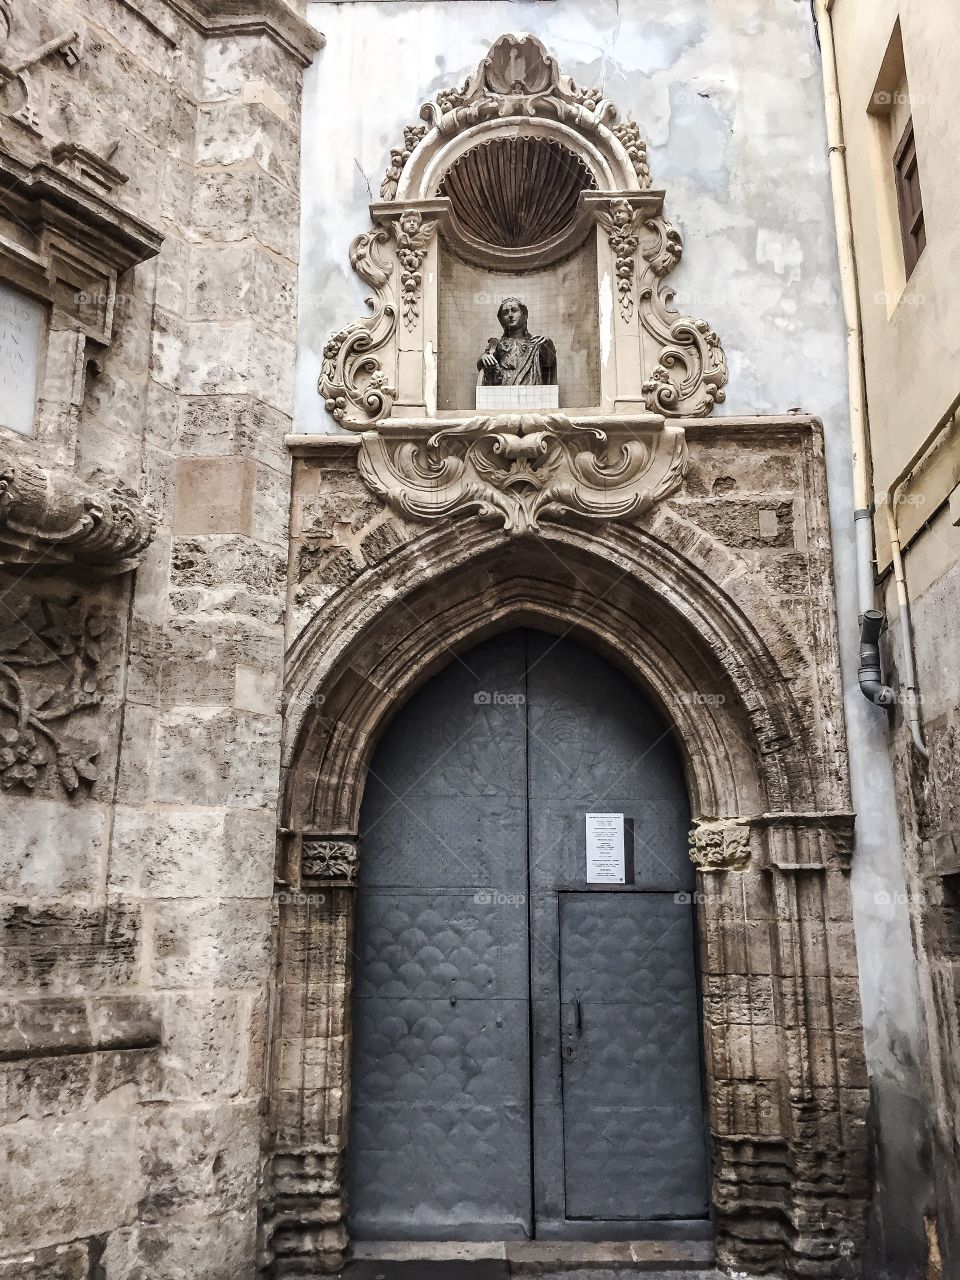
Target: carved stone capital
(53,518)
(521,468)
(721,845)
(329,858)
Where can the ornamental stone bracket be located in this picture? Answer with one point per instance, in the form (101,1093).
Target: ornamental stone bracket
(52,518)
(520,468)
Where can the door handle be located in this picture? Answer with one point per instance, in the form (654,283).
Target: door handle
(579,1008)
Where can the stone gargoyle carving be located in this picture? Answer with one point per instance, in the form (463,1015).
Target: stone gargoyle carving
(521,468)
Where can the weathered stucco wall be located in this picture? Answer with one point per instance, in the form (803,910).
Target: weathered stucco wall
(729,97)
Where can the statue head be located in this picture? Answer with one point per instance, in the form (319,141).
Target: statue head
(512,314)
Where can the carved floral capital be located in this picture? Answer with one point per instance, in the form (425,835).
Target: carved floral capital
(326,858)
(521,468)
(723,845)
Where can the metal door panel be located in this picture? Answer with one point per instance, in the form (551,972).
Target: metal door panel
(440,1122)
(594,745)
(633,1111)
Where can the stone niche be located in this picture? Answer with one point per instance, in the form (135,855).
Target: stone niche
(519,182)
(562,299)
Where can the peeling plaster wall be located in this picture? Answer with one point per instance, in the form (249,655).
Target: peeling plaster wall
(728,95)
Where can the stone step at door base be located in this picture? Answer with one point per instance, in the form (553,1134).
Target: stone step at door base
(654,1259)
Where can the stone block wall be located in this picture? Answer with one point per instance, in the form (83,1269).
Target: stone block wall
(137,862)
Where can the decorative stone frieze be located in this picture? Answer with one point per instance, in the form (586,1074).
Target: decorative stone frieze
(51,518)
(517,469)
(721,845)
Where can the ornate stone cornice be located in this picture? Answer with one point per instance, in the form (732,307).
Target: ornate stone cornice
(273,18)
(52,518)
(521,468)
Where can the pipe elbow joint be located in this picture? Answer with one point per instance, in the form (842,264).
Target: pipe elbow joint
(870,674)
(875,691)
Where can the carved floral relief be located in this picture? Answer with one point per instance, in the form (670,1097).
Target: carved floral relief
(50,656)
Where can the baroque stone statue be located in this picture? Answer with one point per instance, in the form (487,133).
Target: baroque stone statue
(518,358)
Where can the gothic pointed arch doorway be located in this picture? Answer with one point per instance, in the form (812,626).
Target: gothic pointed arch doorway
(526,1026)
(753,705)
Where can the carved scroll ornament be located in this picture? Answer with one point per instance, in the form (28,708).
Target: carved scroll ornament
(692,369)
(521,468)
(355,389)
(53,518)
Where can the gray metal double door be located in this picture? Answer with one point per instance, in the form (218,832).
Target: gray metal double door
(526,1045)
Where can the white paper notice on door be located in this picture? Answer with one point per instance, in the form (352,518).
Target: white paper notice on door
(605,848)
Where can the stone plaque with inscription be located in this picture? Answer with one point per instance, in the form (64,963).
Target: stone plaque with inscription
(21,321)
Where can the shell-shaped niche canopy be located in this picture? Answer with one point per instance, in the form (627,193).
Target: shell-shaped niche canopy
(516,193)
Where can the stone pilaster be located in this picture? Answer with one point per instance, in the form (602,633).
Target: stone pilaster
(784,1042)
(303,1220)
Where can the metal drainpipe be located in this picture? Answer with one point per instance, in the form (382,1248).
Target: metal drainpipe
(870,678)
(911,710)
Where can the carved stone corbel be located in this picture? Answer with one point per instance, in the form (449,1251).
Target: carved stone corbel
(521,468)
(53,518)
